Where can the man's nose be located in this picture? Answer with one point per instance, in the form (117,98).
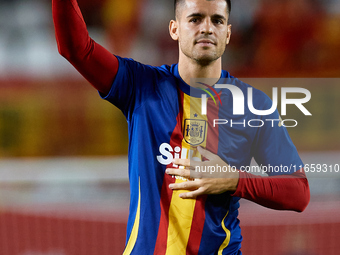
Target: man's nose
(206,26)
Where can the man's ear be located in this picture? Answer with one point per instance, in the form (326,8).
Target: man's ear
(173,29)
(229,33)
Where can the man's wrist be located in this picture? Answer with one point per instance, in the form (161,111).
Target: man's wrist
(240,183)
(234,181)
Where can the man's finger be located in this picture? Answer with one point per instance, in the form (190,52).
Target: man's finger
(189,164)
(205,153)
(187,185)
(192,194)
(178,172)
(182,162)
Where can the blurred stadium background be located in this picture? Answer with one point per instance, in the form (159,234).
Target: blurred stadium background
(63,150)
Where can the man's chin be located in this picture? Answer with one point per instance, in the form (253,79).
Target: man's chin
(205,60)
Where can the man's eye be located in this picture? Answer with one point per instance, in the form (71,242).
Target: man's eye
(194,20)
(218,21)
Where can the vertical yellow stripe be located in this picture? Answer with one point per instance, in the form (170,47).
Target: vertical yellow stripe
(180,218)
(181,211)
(227,238)
(134,233)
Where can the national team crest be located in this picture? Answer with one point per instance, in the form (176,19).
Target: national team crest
(194,131)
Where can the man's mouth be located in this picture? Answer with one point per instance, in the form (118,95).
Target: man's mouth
(205,42)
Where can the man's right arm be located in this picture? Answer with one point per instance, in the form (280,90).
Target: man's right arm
(93,61)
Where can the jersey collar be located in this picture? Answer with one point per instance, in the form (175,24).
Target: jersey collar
(186,88)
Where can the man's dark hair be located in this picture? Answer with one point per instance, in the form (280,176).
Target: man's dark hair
(177,2)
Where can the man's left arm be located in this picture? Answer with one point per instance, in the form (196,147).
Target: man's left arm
(281,192)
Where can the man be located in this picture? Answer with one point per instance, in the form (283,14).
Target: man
(175,209)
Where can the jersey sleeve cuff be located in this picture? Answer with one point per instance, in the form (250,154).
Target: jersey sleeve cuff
(241,184)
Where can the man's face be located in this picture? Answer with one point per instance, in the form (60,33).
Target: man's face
(202,29)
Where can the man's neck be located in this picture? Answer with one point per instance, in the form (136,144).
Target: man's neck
(189,69)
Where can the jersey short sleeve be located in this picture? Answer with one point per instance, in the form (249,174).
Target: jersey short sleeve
(273,148)
(132,85)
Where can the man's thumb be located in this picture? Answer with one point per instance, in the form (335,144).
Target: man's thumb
(205,153)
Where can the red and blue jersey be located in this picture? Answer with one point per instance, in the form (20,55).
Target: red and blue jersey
(165,122)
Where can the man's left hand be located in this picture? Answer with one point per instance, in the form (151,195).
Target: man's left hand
(212,176)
